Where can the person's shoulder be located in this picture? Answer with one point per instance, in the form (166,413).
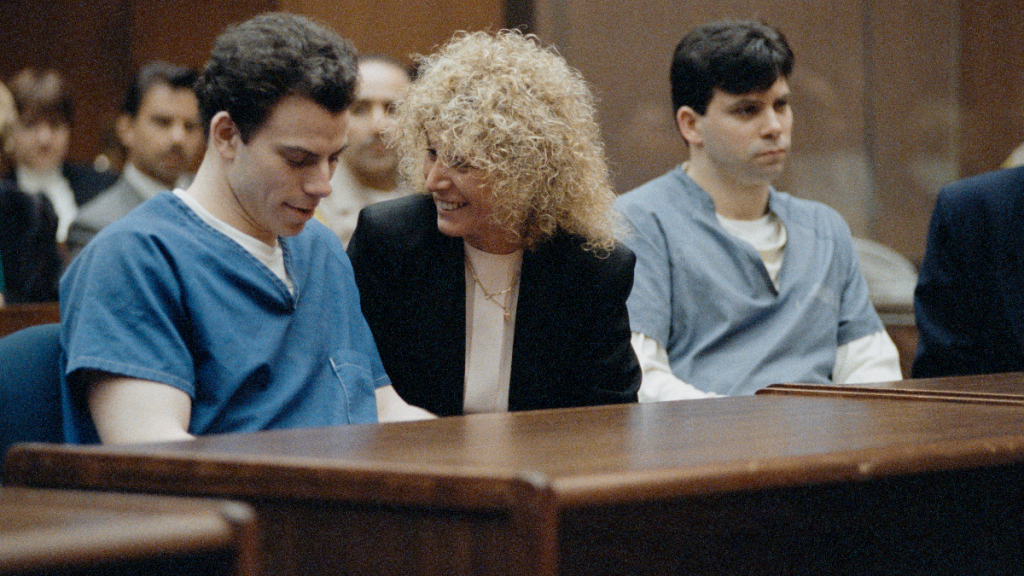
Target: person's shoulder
(106,206)
(803,210)
(998,190)
(11,198)
(400,216)
(86,181)
(162,216)
(408,205)
(316,234)
(572,250)
(17,211)
(817,218)
(641,197)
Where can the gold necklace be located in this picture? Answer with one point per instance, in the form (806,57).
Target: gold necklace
(493,297)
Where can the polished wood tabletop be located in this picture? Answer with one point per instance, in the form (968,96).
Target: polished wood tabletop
(61,531)
(579,455)
(1005,388)
(527,492)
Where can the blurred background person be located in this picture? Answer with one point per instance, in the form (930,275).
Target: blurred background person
(500,286)
(160,130)
(30,264)
(39,146)
(368,171)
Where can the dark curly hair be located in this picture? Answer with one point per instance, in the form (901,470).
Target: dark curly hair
(256,63)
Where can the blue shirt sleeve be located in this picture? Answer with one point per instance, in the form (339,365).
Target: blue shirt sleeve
(650,301)
(122,313)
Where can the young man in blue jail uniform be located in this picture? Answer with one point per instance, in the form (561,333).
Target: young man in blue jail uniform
(739,286)
(221,307)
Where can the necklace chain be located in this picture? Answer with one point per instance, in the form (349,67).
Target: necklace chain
(493,296)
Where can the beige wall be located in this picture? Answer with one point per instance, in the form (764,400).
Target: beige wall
(98,44)
(400,28)
(875,98)
(893,99)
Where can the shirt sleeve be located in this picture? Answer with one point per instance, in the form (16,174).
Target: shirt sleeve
(650,301)
(857,315)
(122,313)
(873,358)
(659,383)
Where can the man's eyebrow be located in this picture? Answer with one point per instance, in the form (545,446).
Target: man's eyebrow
(295,150)
(297,153)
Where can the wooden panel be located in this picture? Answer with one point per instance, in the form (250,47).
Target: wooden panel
(907,525)
(913,116)
(86,42)
(183,31)
(399,28)
(768,477)
(1005,389)
(991,83)
(14,317)
(69,532)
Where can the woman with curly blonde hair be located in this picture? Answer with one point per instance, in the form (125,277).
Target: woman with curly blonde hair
(500,286)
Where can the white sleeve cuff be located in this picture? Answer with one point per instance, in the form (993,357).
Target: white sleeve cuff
(873,358)
(659,383)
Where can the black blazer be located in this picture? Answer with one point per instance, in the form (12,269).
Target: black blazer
(969,301)
(571,345)
(28,248)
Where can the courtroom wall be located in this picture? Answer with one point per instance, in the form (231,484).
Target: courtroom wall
(892,99)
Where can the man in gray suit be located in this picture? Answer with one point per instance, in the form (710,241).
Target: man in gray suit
(159,127)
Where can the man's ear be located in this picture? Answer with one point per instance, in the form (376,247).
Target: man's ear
(124,129)
(690,125)
(224,134)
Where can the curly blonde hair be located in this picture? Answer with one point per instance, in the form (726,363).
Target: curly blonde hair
(517,111)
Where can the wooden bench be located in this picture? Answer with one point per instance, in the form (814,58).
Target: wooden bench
(14,317)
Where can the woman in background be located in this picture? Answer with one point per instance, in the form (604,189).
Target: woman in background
(499,287)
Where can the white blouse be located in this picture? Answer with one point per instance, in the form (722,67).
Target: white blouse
(492,292)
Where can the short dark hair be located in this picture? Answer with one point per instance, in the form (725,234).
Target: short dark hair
(736,57)
(41,94)
(153,73)
(256,63)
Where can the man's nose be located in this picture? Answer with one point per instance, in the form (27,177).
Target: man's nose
(319,182)
(773,122)
(178,132)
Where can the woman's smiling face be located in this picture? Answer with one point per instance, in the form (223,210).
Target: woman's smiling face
(465,204)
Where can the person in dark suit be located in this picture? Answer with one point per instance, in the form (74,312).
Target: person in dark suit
(969,300)
(500,286)
(30,263)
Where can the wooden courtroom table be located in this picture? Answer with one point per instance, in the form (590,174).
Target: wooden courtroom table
(745,485)
(95,533)
(1005,389)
